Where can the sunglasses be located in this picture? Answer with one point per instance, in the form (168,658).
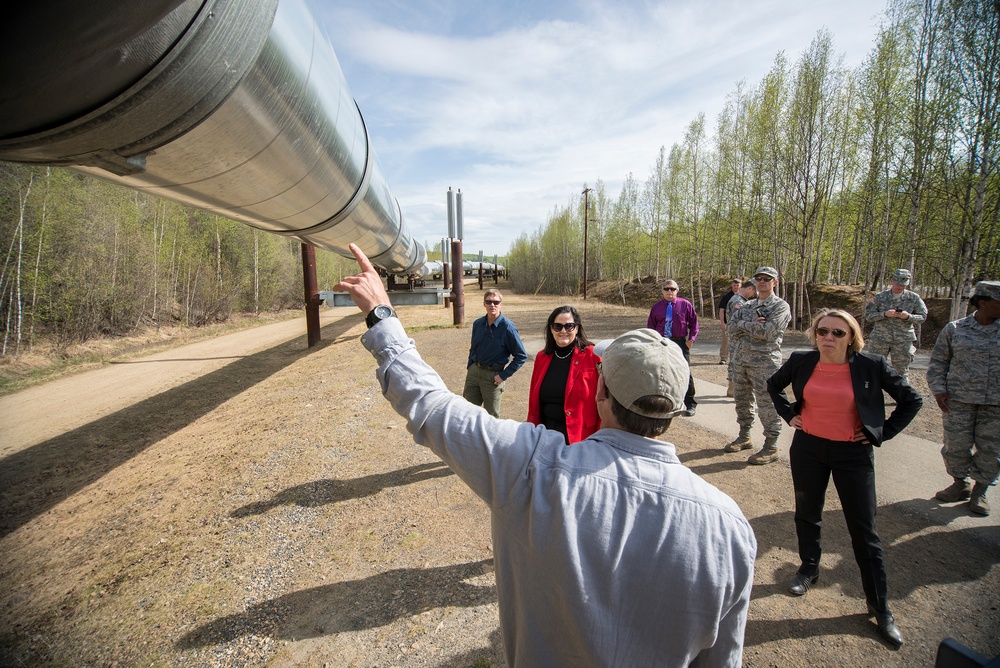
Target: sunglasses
(558,326)
(762,278)
(823,331)
(492,302)
(670,289)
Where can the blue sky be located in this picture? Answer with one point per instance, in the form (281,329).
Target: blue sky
(519,104)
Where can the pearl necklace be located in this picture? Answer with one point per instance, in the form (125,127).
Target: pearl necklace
(562,357)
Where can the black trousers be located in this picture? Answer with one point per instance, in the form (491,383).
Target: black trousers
(813,460)
(689,401)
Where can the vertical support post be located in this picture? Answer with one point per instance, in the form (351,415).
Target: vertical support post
(480,270)
(496,270)
(445,266)
(451,214)
(586,212)
(311,294)
(458,289)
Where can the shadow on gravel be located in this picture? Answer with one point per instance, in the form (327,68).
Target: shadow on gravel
(771,630)
(351,606)
(915,560)
(324,492)
(480,657)
(37,478)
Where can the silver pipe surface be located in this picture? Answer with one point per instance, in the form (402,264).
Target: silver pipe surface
(236,107)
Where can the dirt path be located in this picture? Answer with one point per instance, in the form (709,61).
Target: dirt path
(244,501)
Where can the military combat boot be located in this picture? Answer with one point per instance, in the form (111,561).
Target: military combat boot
(742,441)
(978,503)
(959,490)
(767,454)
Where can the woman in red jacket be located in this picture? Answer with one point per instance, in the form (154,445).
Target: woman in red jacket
(564,379)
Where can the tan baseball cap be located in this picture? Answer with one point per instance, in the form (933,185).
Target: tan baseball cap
(642,363)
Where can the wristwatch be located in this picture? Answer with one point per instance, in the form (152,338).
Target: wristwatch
(379,313)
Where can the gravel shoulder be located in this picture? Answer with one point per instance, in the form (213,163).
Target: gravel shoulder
(247,501)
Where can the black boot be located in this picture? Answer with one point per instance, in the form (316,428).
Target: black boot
(886,626)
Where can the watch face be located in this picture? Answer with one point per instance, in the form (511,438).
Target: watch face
(382,312)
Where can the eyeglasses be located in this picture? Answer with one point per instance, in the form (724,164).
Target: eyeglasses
(823,331)
(670,289)
(558,326)
(763,279)
(492,302)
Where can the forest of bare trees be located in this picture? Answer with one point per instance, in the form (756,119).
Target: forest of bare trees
(833,175)
(85,258)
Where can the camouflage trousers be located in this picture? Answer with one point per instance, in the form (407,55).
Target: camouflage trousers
(899,353)
(750,392)
(972,441)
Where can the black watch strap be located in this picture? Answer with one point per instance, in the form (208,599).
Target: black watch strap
(379,313)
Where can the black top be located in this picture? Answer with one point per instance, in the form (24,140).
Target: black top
(552,391)
(724,302)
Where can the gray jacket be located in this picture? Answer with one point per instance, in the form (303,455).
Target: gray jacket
(609,552)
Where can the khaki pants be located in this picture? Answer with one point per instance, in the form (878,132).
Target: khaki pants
(480,390)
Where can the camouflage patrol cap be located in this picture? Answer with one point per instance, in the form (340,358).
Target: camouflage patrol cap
(989,289)
(901,277)
(769,271)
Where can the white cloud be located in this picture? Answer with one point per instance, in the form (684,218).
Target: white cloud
(520,106)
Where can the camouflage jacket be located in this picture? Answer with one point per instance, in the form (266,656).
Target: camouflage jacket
(759,342)
(894,329)
(735,302)
(965,362)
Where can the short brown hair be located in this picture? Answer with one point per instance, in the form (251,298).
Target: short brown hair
(640,424)
(492,292)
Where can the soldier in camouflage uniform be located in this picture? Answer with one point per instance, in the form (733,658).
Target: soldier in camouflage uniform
(757,329)
(964,375)
(895,311)
(746,292)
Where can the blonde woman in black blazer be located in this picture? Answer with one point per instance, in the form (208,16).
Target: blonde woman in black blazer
(838,416)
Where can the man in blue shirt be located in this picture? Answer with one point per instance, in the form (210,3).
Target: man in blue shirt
(495,341)
(609,552)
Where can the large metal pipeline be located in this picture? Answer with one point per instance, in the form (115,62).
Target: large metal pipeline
(237,107)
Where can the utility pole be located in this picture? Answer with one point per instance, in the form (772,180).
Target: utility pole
(586,211)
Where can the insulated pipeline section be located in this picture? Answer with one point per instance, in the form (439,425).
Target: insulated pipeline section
(237,107)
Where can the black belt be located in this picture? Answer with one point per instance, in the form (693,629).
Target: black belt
(490,367)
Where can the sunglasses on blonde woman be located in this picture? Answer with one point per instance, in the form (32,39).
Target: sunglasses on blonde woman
(823,331)
(558,326)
